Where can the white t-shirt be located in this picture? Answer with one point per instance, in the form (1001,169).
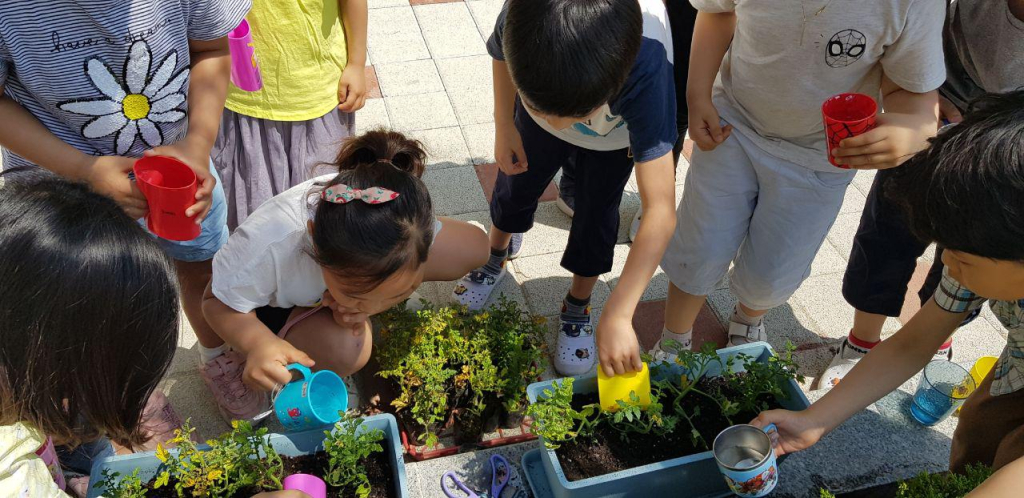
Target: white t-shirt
(22,472)
(788,56)
(266,260)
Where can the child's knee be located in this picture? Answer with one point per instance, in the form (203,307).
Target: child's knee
(346,353)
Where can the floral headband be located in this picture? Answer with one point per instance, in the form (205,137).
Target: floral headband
(343,194)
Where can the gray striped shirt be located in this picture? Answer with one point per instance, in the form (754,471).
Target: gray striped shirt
(109,77)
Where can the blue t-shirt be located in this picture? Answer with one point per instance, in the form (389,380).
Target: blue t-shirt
(109,77)
(643,115)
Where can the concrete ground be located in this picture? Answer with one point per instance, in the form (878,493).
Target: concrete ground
(430,78)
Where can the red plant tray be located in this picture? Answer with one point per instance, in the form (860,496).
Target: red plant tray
(419,453)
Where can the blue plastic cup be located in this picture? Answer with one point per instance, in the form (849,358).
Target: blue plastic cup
(943,388)
(312,401)
(746,458)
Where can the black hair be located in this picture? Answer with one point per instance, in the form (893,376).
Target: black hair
(966,190)
(88,311)
(367,243)
(569,57)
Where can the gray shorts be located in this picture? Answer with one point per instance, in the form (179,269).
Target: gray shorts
(767,215)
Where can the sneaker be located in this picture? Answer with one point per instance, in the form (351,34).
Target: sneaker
(668,352)
(575,350)
(741,333)
(475,289)
(235,400)
(159,420)
(635,226)
(515,246)
(566,200)
(844,361)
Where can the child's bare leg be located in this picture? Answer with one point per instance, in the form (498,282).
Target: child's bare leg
(458,249)
(750,313)
(681,310)
(193,279)
(330,345)
(582,287)
(867,326)
(499,239)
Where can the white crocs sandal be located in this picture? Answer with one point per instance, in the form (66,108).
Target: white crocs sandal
(669,354)
(575,349)
(741,333)
(846,358)
(475,289)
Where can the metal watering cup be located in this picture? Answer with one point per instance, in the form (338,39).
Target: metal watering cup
(746,459)
(314,400)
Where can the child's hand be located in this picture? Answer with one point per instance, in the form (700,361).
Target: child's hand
(108,175)
(617,346)
(352,88)
(266,361)
(896,138)
(508,149)
(948,111)
(706,129)
(796,431)
(196,157)
(347,318)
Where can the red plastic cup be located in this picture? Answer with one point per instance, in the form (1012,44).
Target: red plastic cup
(170,188)
(847,115)
(311,485)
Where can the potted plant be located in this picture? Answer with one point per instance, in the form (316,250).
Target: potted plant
(664,448)
(358,457)
(457,373)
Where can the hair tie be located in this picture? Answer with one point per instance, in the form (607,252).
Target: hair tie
(343,194)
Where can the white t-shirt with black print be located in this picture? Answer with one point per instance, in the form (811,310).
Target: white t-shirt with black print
(109,77)
(788,56)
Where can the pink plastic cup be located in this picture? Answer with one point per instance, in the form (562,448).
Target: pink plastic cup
(847,115)
(170,188)
(245,68)
(311,485)
(48,455)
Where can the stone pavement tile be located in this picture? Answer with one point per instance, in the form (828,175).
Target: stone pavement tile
(657,288)
(863,180)
(480,140)
(546,283)
(393,35)
(828,261)
(988,316)
(820,300)
(812,360)
(380,4)
(467,81)
(474,469)
(186,357)
(853,201)
(372,85)
(374,114)
(485,14)
(488,174)
(976,339)
(430,2)
(842,233)
(445,147)
(649,320)
(193,401)
(408,78)
(549,234)
(421,112)
(449,30)
(455,190)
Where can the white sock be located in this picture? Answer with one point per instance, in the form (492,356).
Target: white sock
(739,316)
(684,339)
(207,355)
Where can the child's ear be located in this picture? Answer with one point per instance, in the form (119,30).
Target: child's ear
(309,227)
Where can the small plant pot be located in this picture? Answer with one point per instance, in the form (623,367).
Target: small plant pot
(289,445)
(690,476)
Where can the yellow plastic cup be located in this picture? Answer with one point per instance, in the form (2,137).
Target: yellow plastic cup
(612,389)
(980,370)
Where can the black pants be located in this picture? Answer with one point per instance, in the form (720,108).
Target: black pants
(681,17)
(884,257)
(600,179)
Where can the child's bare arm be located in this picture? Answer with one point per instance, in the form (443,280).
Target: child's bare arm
(508,145)
(352,87)
(266,353)
(1003,484)
(207,91)
(26,136)
(712,34)
(617,343)
(909,120)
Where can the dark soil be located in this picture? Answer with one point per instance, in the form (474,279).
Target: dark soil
(378,470)
(609,452)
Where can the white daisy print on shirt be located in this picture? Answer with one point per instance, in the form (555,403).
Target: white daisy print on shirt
(134,108)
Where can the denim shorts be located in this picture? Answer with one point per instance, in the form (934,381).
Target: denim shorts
(81,459)
(210,240)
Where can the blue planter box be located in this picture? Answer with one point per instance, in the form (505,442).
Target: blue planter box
(291,445)
(685,477)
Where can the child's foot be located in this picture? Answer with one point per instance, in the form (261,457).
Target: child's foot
(851,352)
(475,289)
(235,400)
(159,420)
(515,246)
(566,200)
(670,344)
(575,350)
(745,329)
